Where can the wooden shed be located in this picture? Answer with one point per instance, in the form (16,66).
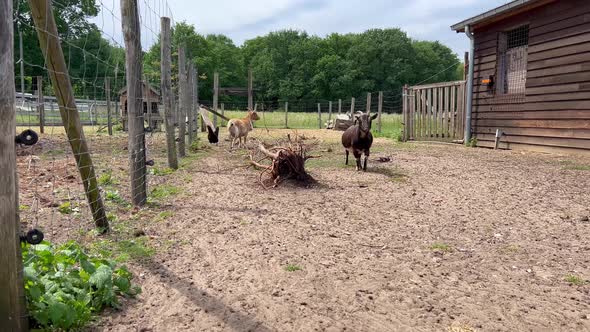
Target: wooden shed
(154,119)
(531,75)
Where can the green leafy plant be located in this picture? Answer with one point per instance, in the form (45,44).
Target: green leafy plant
(106,178)
(472,142)
(65,208)
(115,197)
(164,191)
(65,287)
(161,171)
(441,247)
(575,280)
(292,268)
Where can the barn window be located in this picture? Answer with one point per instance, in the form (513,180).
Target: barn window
(512,61)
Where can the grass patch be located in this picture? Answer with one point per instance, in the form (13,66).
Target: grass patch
(439,246)
(577,167)
(65,208)
(293,268)
(23,207)
(574,280)
(137,249)
(161,171)
(165,215)
(106,178)
(115,197)
(164,191)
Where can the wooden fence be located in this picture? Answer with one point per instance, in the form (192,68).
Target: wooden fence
(434,112)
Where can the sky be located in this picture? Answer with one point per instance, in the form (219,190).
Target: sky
(242,20)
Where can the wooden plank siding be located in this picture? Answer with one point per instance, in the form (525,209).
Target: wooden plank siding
(554,112)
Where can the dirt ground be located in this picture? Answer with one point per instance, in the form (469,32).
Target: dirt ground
(442,238)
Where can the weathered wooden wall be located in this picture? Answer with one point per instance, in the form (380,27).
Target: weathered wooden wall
(554,112)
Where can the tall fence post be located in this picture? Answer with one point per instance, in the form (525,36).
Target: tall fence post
(339,106)
(182,98)
(22,64)
(215,97)
(329,110)
(42,14)
(406,112)
(196,96)
(250,89)
(192,107)
(286,114)
(12,299)
(319,116)
(352,107)
(222,112)
(166,90)
(107,87)
(133,58)
(379,111)
(368,108)
(40,104)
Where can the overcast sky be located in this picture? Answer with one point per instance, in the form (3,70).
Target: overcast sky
(245,19)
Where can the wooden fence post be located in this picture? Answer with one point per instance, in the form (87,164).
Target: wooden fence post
(192,107)
(182,99)
(166,90)
(250,89)
(339,106)
(379,111)
(329,110)
(319,116)
(405,112)
(107,87)
(196,100)
(215,97)
(42,13)
(40,104)
(286,114)
(133,65)
(12,299)
(368,109)
(352,107)
(222,113)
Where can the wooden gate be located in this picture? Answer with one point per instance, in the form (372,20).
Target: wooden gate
(434,112)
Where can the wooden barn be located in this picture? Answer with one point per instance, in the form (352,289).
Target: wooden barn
(531,75)
(152,98)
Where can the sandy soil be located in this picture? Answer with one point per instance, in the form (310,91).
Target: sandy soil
(442,238)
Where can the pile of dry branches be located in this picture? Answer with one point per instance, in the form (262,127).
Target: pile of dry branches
(287,161)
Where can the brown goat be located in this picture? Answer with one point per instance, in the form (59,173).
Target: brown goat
(358,139)
(239,128)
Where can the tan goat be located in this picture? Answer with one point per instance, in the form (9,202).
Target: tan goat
(239,128)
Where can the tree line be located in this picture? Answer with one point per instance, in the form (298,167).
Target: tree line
(287,64)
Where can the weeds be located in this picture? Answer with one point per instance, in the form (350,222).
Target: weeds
(293,268)
(164,191)
(575,280)
(115,197)
(65,208)
(441,247)
(106,178)
(161,171)
(165,215)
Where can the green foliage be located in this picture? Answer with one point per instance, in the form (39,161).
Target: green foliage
(65,208)
(441,247)
(165,215)
(23,207)
(163,191)
(575,280)
(578,167)
(64,286)
(293,268)
(115,197)
(472,142)
(162,171)
(106,178)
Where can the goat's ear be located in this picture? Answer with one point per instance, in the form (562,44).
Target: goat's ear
(374,116)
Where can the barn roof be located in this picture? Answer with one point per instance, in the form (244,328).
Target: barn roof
(499,13)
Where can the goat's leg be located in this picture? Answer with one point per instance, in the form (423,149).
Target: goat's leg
(366,157)
(357,156)
(347,156)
